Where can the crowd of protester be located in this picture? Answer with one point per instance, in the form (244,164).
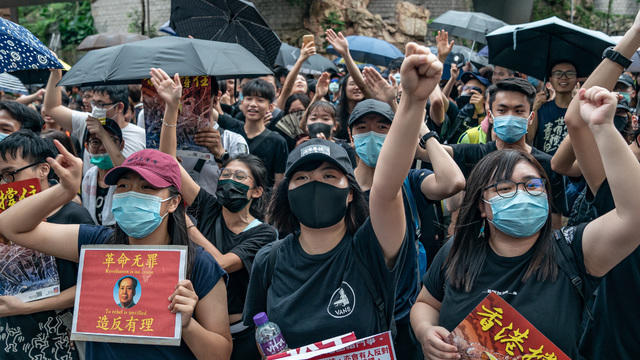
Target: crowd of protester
(410,196)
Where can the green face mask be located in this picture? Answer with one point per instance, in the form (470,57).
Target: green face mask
(102,161)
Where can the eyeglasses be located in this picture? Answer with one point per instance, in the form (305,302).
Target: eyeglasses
(558,74)
(9,177)
(101,104)
(239,175)
(508,188)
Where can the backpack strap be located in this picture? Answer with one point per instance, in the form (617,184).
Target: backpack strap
(566,263)
(383,318)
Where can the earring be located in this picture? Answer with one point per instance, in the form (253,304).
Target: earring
(481,234)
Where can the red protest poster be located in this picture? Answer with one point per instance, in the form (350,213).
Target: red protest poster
(376,347)
(494,330)
(122,294)
(324,344)
(13,192)
(195,108)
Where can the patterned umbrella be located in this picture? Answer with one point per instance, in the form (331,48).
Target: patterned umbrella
(21,50)
(11,84)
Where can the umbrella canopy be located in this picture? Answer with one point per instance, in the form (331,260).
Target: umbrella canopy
(11,84)
(233,21)
(21,50)
(465,53)
(370,50)
(40,76)
(128,63)
(532,48)
(314,65)
(100,41)
(467,25)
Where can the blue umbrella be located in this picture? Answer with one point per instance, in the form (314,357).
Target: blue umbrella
(370,50)
(315,64)
(21,50)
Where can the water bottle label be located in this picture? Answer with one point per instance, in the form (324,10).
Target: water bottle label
(274,346)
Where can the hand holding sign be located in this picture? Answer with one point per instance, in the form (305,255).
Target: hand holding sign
(184,301)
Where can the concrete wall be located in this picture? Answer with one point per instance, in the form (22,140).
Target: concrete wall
(111,15)
(618,7)
(387,8)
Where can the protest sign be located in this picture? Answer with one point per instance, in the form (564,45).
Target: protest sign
(495,330)
(122,294)
(25,273)
(376,347)
(194,114)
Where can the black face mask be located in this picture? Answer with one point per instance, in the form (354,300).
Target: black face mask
(317,128)
(462,100)
(620,122)
(318,205)
(232,195)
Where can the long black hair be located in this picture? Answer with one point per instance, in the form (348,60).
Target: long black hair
(176,227)
(283,219)
(343,110)
(470,248)
(260,178)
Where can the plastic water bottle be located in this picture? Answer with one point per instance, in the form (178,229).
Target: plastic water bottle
(268,336)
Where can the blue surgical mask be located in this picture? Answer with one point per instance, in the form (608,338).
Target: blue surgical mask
(510,128)
(368,146)
(397,77)
(334,86)
(521,215)
(102,161)
(626,96)
(138,215)
(3,135)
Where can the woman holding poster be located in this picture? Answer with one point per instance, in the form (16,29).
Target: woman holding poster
(148,210)
(504,244)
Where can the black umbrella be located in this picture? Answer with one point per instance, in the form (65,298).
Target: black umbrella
(532,48)
(314,65)
(467,25)
(234,21)
(130,62)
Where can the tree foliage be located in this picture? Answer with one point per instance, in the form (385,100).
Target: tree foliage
(72,20)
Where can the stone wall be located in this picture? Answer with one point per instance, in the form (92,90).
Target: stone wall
(112,15)
(618,7)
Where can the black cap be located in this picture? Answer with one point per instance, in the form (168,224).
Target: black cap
(625,79)
(472,75)
(112,128)
(318,150)
(371,106)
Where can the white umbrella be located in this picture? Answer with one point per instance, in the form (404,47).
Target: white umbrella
(11,84)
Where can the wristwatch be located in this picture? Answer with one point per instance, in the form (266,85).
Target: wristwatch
(222,158)
(616,57)
(427,136)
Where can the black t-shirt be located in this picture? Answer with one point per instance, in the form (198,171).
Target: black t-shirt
(551,128)
(245,245)
(205,275)
(468,155)
(553,307)
(46,334)
(101,194)
(615,331)
(316,297)
(269,146)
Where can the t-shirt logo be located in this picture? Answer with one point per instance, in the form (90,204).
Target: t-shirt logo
(343,301)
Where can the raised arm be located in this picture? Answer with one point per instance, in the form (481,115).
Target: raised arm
(340,43)
(564,160)
(605,75)
(380,88)
(305,52)
(420,71)
(447,178)
(114,151)
(610,238)
(452,80)
(28,99)
(52,103)
(322,87)
(443,45)
(170,91)
(22,223)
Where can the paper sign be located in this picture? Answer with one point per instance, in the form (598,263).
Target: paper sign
(494,330)
(376,347)
(325,344)
(122,294)
(194,114)
(25,273)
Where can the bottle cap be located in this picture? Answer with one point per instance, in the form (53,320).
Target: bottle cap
(260,319)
